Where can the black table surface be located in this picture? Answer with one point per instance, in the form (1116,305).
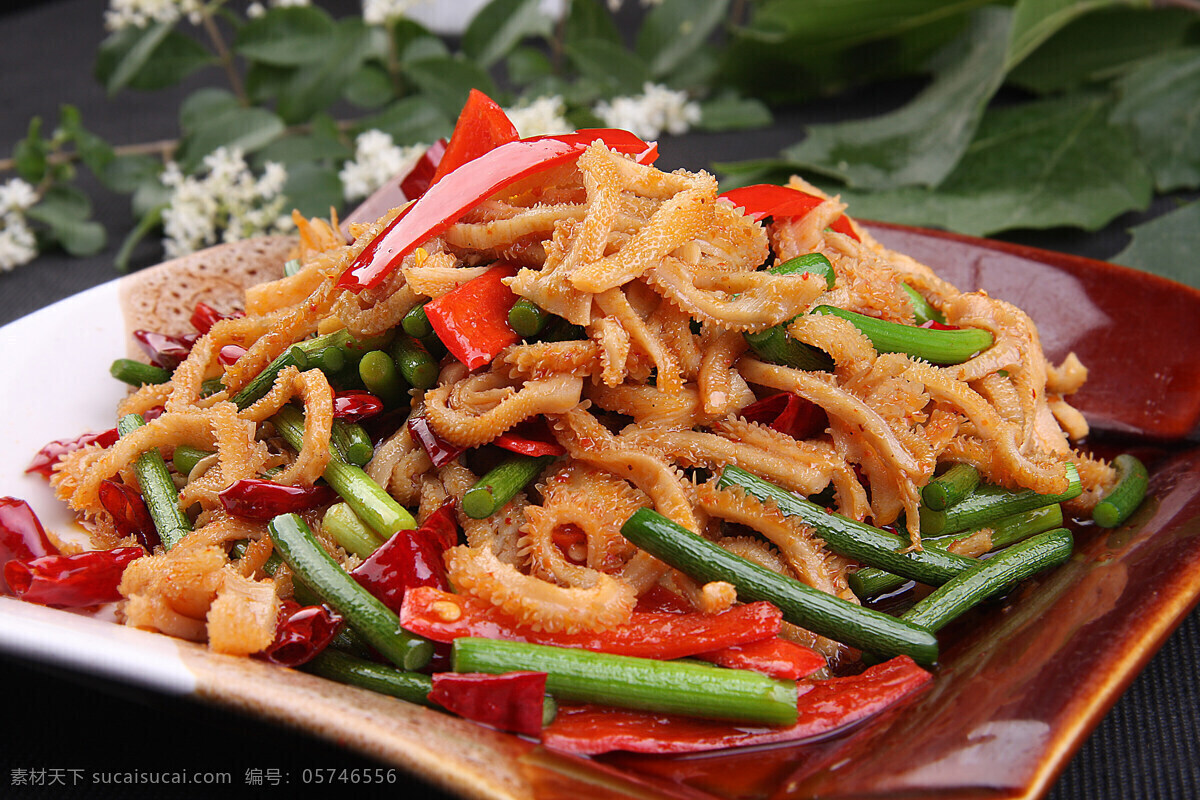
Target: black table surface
(64,726)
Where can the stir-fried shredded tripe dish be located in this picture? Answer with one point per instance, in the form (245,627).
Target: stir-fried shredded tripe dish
(692,367)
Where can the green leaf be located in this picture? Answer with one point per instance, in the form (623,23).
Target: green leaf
(369,87)
(500,26)
(124,174)
(316,86)
(313,189)
(1035,21)
(760,170)
(527,64)
(123,54)
(204,104)
(1160,102)
(405,32)
(675,29)
(264,82)
(609,64)
(148,196)
(590,19)
(412,120)
(93,151)
(446,81)
(248,129)
(298,149)
(1038,165)
(423,48)
(30,154)
(920,142)
(731,113)
(173,60)
(64,211)
(1099,46)
(1167,246)
(287,36)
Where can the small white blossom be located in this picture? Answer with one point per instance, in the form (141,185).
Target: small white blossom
(225,205)
(655,110)
(16,195)
(376,158)
(382,12)
(17,243)
(255,10)
(542,117)
(123,14)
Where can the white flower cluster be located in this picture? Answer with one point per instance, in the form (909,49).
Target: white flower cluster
(376,158)
(648,114)
(123,14)
(17,243)
(541,117)
(227,204)
(256,9)
(382,12)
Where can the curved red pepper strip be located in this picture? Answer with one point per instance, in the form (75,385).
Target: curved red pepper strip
(530,438)
(84,579)
(472,319)
(447,200)
(259,500)
(482,126)
(43,463)
(420,177)
(511,701)
(768,200)
(301,632)
(443,617)
(778,658)
(21,535)
(824,706)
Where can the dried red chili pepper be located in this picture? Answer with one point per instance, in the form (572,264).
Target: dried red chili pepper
(355,406)
(442,526)
(301,632)
(420,177)
(43,463)
(163,349)
(511,701)
(531,438)
(230,353)
(205,316)
(788,413)
(259,500)
(129,513)
(440,451)
(22,536)
(83,579)
(409,559)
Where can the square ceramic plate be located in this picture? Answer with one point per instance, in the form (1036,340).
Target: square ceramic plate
(1020,685)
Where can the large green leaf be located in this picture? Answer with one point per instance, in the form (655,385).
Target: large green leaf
(204,104)
(313,189)
(920,142)
(1160,102)
(316,86)
(124,53)
(675,29)
(1035,21)
(64,210)
(369,87)
(589,19)
(287,36)
(500,26)
(1100,46)
(1038,165)
(609,63)
(1167,246)
(126,173)
(93,151)
(248,129)
(412,120)
(446,81)
(729,113)
(842,23)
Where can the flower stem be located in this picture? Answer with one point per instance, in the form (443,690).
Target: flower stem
(223,53)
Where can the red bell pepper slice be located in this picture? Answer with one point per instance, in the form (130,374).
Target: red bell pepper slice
(530,438)
(83,579)
(45,459)
(823,706)
(482,126)
(259,500)
(440,451)
(301,632)
(420,177)
(443,617)
(446,201)
(768,200)
(22,536)
(511,701)
(410,559)
(472,319)
(776,657)
(788,413)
